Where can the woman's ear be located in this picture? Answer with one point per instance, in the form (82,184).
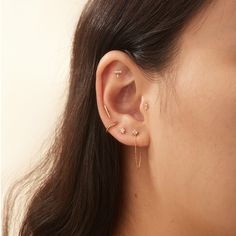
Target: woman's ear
(120,89)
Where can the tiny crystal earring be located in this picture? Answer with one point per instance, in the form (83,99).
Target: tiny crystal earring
(135,133)
(118,73)
(122,130)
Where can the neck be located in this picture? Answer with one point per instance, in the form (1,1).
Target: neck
(144,211)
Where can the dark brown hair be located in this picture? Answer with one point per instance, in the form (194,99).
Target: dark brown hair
(76,189)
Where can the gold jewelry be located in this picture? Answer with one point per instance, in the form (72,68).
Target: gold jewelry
(118,73)
(108,113)
(109,116)
(146,106)
(122,130)
(135,133)
(111,125)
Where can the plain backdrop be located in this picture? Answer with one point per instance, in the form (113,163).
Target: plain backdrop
(36,45)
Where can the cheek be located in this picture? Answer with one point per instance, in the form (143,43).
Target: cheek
(206,129)
(207,102)
(196,143)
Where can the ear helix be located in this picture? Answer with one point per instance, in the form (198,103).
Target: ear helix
(123,131)
(113,123)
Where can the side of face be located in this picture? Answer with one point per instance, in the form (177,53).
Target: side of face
(193,141)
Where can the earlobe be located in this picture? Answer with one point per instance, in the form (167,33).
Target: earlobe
(119,98)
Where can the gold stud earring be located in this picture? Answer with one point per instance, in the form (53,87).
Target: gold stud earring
(122,130)
(118,73)
(146,106)
(135,133)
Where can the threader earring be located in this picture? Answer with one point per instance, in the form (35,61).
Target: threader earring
(135,133)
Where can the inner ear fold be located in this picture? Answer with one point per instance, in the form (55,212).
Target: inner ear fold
(121,93)
(125,97)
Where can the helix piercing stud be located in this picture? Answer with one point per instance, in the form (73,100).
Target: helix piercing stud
(118,73)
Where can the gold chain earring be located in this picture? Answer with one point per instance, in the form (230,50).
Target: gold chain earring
(135,133)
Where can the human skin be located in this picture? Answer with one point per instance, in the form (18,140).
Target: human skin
(187,181)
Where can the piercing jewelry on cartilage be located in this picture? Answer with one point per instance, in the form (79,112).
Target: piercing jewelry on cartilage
(107,112)
(146,106)
(114,123)
(135,133)
(118,73)
(111,125)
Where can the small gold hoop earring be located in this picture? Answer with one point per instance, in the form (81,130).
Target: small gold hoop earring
(111,125)
(135,133)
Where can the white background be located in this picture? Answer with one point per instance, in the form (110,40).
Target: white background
(36,46)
